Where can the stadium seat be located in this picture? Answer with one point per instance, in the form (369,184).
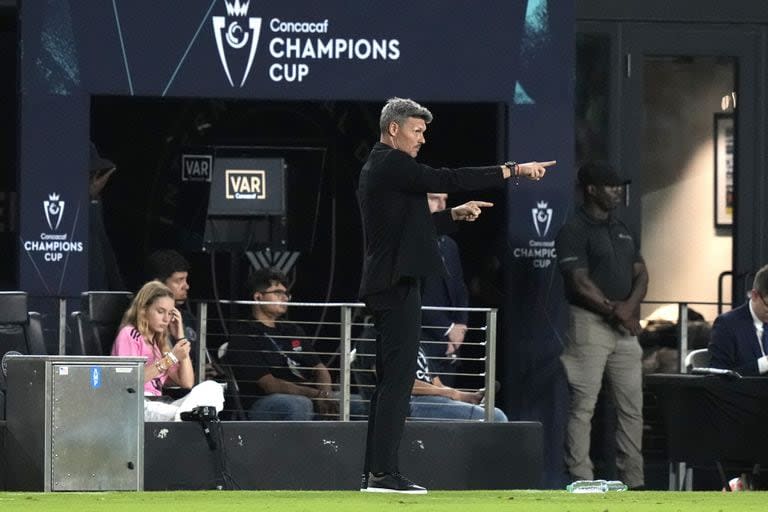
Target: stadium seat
(20,331)
(97,322)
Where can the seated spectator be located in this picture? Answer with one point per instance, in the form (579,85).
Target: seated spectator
(144,331)
(172,269)
(446,327)
(431,400)
(279,374)
(739,339)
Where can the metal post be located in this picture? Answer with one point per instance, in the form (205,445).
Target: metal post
(202,314)
(682,335)
(62,326)
(490,365)
(345,362)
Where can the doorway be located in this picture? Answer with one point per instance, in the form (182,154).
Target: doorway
(687,245)
(642,90)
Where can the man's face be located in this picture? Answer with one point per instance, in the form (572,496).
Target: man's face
(607,197)
(276,292)
(437,202)
(759,305)
(178,285)
(409,136)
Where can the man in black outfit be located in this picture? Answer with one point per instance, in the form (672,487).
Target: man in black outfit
(400,250)
(279,374)
(446,329)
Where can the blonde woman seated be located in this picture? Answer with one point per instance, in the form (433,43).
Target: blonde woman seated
(145,331)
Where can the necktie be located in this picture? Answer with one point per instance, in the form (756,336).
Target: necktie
(764,338)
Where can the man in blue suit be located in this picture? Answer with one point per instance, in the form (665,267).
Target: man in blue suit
(739,339)
(445,329)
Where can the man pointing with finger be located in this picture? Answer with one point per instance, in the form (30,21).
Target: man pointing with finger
(401,249)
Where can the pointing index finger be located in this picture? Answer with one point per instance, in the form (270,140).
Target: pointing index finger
(548,164)
(483,204)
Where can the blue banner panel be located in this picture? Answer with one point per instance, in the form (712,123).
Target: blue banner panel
(298,49)
(54,196)
(534,316)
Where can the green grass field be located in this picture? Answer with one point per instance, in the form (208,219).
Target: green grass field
(350,501)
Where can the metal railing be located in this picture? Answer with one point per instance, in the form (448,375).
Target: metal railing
(338,331)
(683,325)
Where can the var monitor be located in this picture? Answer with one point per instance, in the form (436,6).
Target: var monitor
(244,187)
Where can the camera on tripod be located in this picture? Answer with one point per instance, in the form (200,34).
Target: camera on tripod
(201,413)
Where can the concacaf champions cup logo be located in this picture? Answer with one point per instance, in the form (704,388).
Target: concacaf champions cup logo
(542,218)
(242,42)
(54,211)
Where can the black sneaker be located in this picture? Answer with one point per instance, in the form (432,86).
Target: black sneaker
(392,482)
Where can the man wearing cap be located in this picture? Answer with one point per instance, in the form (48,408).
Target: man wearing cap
(605,280)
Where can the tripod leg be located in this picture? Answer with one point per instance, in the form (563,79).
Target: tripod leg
(723,478)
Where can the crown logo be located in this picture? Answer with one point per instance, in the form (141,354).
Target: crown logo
(541,205)
(53,197)
(236,8)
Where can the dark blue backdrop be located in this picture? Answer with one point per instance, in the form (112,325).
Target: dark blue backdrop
(516,52)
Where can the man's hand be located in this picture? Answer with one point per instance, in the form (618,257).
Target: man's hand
(98,182)
(469,211)
(626,315)
(455,338)
(534,170)
(473,398)
(326,406)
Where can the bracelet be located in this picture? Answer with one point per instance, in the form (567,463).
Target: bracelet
(515,170)
(160,367)
(182,338)
(172,357)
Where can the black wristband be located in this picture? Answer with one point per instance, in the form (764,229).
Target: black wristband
(513,167)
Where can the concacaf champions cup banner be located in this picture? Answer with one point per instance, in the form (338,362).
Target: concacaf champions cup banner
(516,53)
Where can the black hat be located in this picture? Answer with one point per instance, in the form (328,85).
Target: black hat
(97,162)
(601,174)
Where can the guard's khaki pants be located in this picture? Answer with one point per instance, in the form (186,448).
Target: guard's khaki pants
(595,347)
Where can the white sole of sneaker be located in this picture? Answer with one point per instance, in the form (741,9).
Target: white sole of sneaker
(381,489)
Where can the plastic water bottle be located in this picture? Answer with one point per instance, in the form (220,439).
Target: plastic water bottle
(616,485)
(587,486)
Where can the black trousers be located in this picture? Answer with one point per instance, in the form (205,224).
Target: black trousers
(397,318)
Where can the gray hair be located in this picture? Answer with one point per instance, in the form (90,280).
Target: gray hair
(760,284)
(400,109)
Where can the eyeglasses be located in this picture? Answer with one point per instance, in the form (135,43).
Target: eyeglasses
(280,293)
(751,294)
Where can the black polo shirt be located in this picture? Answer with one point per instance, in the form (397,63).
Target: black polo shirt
(606,248)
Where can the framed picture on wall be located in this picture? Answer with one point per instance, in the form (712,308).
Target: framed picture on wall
(724,169)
